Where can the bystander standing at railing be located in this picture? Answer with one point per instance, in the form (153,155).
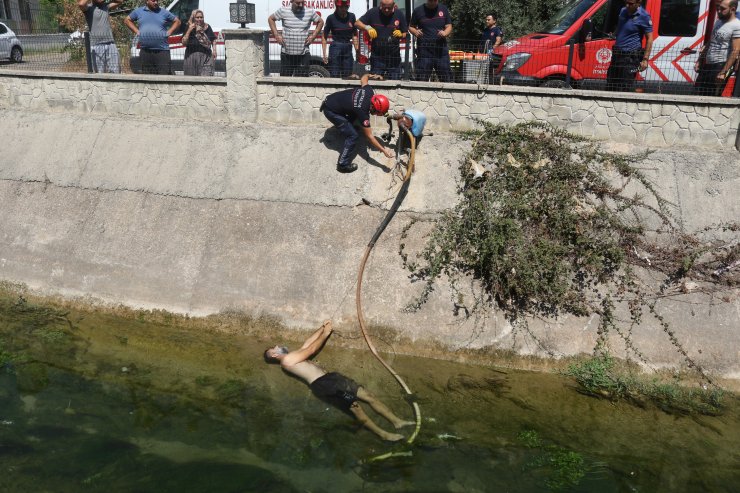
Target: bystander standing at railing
(431,23)
(492,36)
(295,57)
(491,39)
(200,46)
(153,33)
(103,49)
(717,58)
(628,57)
(341,27)
(385,25)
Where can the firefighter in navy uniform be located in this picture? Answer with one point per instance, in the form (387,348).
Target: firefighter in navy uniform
(343,107)
(386,26)
(431,24)
(628,57)
(341,26)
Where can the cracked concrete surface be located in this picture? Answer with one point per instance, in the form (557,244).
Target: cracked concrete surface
(200,217)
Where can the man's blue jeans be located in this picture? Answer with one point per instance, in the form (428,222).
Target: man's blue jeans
(350,136)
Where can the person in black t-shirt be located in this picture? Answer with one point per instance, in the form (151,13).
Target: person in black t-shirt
(341,26)
(492,36)
(432,25)
(343,107)
(386,26)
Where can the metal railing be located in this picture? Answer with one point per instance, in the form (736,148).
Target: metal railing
(594,65)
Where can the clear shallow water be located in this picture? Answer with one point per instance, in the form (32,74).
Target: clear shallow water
(94,402)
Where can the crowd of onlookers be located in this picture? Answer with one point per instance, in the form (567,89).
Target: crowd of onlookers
(153,25)
(385,28)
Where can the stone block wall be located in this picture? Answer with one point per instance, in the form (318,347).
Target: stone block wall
(115,95)
(653,120)
(246,95)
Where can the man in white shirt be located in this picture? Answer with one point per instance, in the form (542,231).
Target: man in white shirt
(295,40)
(719,55)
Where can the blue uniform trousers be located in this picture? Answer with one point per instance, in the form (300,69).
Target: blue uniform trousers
(388,67)
(437,59)
(350,135)
(340,59)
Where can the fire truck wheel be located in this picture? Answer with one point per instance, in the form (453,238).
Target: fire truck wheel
(317,71)
(554,83)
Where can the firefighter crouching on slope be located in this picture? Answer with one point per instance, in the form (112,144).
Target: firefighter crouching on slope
(343,107)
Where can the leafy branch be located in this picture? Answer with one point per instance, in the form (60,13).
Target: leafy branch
(549,223)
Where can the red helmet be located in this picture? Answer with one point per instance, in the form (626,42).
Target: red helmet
(339,3)
(380,104)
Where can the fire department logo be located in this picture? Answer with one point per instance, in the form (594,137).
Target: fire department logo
(396,22)
(366,123)
(440,14)
(349,24)
(604,55)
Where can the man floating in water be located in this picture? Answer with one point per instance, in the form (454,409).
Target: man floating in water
(334,388)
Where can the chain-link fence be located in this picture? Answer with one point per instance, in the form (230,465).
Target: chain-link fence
(593,65)
(45,41)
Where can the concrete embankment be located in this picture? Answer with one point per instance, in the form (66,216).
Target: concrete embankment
(202,217)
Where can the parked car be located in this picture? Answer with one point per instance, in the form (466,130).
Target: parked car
(10,45)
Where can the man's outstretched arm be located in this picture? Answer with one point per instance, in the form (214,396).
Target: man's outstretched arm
(310,347)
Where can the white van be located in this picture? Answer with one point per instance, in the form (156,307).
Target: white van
(216,13)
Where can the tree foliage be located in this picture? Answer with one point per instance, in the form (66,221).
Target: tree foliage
(516,17)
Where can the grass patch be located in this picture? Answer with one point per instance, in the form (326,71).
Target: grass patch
(601,376)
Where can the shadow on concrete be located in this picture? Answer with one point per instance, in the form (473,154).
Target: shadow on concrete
(334,140)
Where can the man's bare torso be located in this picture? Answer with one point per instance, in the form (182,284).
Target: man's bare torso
(305,370)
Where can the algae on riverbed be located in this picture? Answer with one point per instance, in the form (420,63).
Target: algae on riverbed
(150,402)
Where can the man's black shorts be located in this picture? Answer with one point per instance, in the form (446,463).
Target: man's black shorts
(336,389)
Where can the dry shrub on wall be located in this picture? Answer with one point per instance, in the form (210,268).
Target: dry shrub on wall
(550,224)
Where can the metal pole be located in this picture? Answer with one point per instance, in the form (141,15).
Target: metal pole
(266,45)
(88,52)
(571,49)
(409,6)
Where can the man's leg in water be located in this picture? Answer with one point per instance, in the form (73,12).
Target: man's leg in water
(370,424)
(381,408)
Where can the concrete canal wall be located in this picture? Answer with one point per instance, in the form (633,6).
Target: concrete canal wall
(199,196)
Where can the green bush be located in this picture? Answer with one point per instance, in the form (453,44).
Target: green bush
(550,224)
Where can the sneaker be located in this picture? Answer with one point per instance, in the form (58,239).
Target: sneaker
(347,169)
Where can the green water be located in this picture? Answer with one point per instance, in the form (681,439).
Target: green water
(95,402)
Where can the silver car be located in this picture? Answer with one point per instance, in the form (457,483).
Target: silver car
(10,45)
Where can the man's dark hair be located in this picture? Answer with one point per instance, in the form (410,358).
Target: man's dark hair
(733,4)
(493,14)
(272,359)
(268,358)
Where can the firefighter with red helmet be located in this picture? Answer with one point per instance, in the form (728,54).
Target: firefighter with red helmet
(343,107)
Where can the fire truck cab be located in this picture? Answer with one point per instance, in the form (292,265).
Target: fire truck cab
(680,27)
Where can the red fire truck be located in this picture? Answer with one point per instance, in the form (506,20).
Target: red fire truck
(583,32)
